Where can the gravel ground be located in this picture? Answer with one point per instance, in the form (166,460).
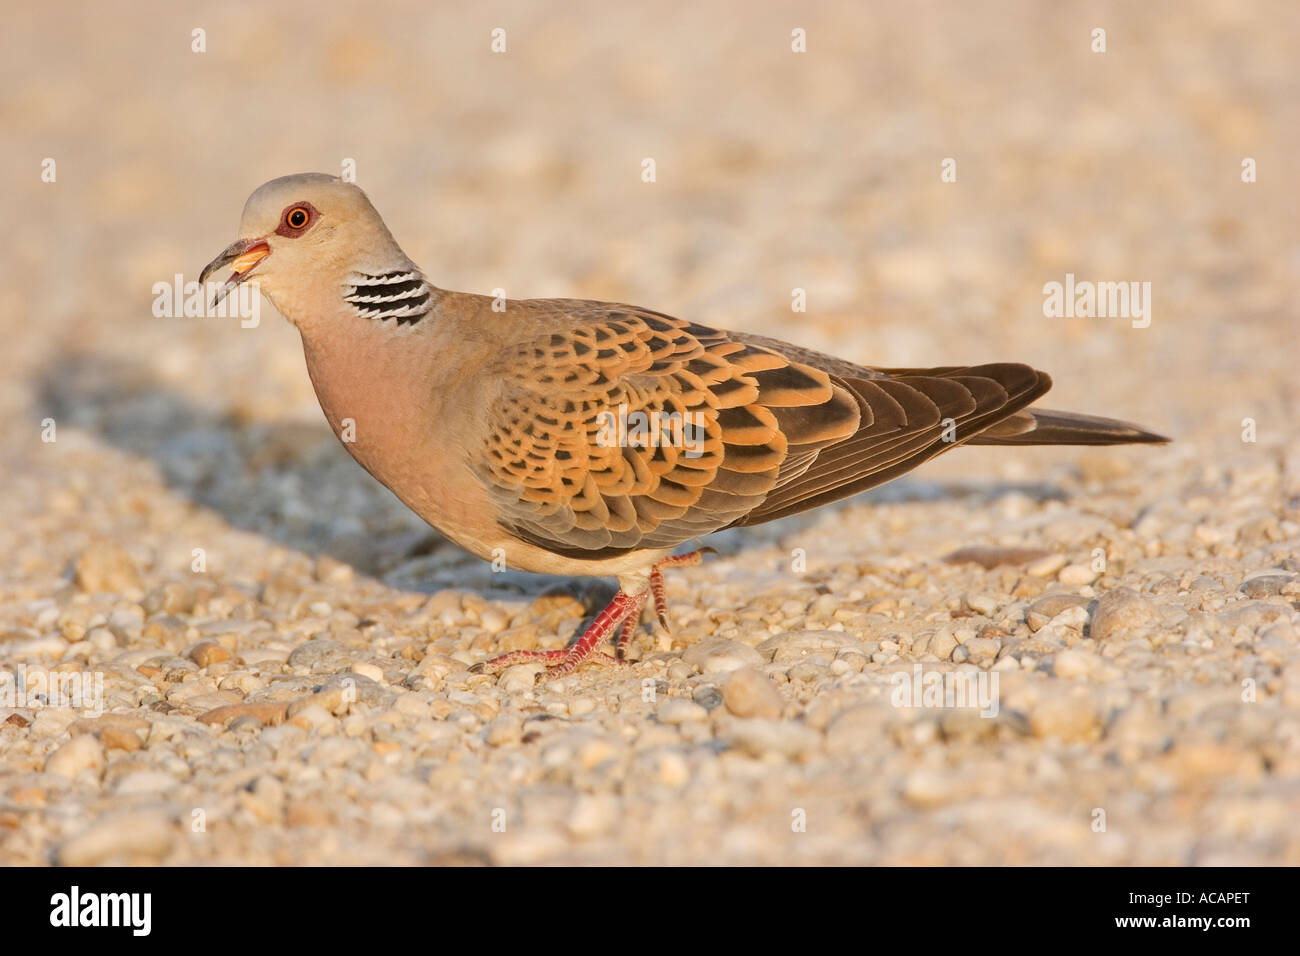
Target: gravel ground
(281,651)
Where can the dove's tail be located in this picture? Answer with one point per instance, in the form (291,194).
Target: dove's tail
(1043,426)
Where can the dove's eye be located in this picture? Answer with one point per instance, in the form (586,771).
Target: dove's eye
(296,219)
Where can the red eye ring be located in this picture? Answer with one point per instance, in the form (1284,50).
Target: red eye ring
(297,219)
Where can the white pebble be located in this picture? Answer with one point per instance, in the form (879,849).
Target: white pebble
(1071,663)
(133,836)
(1076,575)
(82,752)
(369,670)
(678,710)
(520,677)
(1046,567)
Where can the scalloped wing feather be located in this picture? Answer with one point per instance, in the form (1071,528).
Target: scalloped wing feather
(636,430)
(627,429)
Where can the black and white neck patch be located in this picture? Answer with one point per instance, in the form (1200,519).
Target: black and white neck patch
(404,296)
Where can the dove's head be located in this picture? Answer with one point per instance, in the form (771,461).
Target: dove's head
(310,238)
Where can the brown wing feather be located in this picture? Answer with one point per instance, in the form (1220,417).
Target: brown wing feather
(782,429)
(561,480)
(908,420)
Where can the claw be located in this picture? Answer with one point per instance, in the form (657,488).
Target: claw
(688,560)
(625,633)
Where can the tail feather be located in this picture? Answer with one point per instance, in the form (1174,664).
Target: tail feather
(1043,426)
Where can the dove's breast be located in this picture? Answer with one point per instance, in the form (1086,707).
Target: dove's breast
(383,397)
(403,406)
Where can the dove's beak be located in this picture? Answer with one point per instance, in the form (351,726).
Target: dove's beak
(242,256)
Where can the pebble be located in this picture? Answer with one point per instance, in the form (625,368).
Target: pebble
(942,643)
(596,751)
(49,646)
(759,737)
(314,717)
(1064,716)
(106,567)
(1076,575)
(504,730)
(581,705)
(592,815)
(438,666)
(172,598)
(1121,612)
(165,630)
(927,788)
(717,655)
(1072,618)
(679,670)
(1046,567)
(991,557)
(321,656)
(677,710)
(106,723)
(1267,584)
(709,697)
(116,738)
(520,677)
(1140,726)
(1072,663)
(673,770)
(982,649)
(267,712)
(1049,606)
(82,752)
(207,653)
(52,721)
(747,693)
(848,661)
(808,671)
(527,847)
(794,646)
(308,814)
(143,781)
(102,639)
(369,671)
(133,837)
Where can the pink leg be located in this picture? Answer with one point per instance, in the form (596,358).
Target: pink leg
(657,579)
(623,607)
(566,661)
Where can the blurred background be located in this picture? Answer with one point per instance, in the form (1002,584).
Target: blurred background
(775,170)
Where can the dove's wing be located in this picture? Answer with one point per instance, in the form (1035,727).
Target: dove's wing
(765,431)
(628,430)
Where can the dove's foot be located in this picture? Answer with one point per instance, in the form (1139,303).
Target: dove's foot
(657,582)
(620,614)
(657,594)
